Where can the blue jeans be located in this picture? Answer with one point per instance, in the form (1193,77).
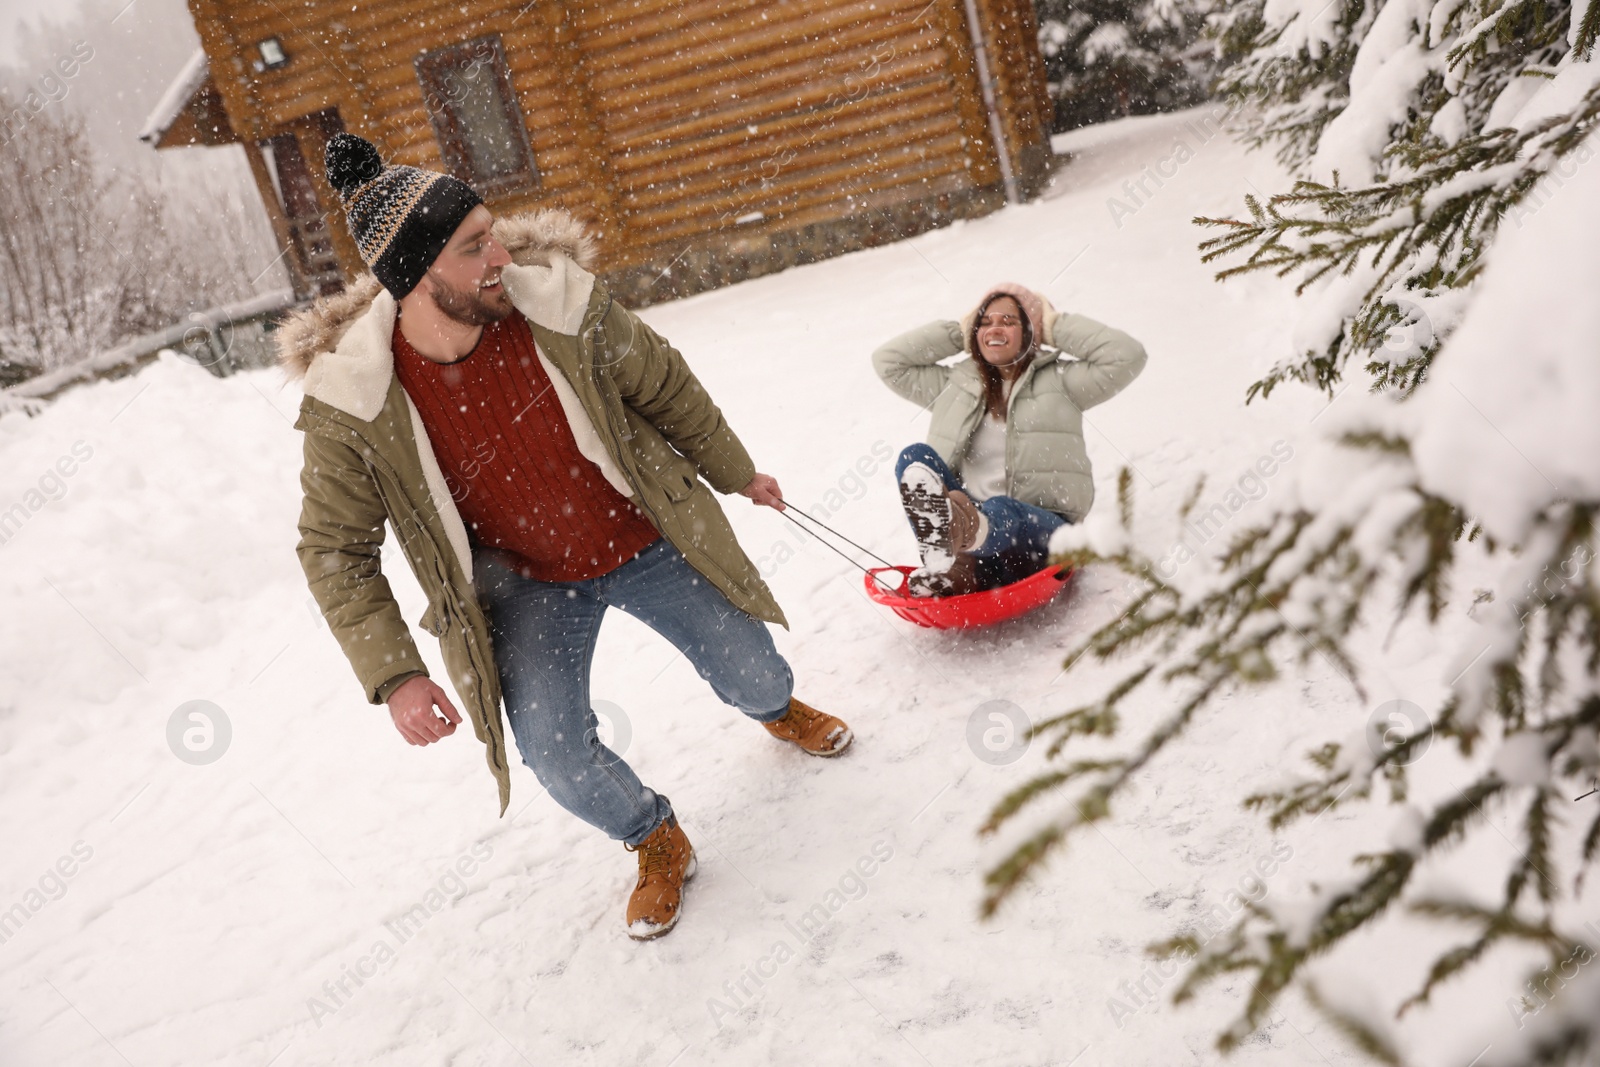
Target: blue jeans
(544,635)
(1019,534)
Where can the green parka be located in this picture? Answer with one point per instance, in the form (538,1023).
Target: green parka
(1047,464)
(635,410)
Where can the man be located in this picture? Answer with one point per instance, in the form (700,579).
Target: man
(538,451)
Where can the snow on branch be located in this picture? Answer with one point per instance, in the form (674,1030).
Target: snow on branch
(1457,270)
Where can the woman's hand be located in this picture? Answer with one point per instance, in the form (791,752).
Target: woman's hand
(763,489)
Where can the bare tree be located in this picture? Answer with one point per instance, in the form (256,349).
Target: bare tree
(89,257)
(62,274)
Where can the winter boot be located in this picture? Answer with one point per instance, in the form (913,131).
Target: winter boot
(922,494)
(969,526)
(944,522)
(814,731)
(666,861)
(958,579)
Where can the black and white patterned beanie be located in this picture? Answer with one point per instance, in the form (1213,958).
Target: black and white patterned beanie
(401,217)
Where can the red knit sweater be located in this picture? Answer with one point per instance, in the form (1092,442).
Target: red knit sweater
(510,460)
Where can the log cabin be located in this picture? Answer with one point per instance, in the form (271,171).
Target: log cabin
(704,142)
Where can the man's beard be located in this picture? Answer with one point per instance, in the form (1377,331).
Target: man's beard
(470,308)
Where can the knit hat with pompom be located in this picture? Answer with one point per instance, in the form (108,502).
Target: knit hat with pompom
(401,217)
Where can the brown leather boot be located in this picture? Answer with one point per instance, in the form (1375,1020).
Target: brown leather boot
(953,572)
(927,505)
(966,522)
(946,522)
(666,862)
(958,579)
(814,731)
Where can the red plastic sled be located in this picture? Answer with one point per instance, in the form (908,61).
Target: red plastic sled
(970,610)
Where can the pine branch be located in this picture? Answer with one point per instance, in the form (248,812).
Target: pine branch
(1015,869)
(1424,228)
(1412,241)
(1588,30)
(1588,851)
(1035,788)
(1535,858)
(1360,1034)
(1495,926)
(1227,629)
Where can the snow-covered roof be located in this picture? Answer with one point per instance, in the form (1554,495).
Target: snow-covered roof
(176,98)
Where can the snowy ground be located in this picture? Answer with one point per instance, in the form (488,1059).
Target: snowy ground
(254,910)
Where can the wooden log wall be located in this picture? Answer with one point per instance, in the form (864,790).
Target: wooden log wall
(720,114)
(659,122)
(1012,29)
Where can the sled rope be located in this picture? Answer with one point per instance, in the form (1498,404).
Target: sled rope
(812,518)
(788,507)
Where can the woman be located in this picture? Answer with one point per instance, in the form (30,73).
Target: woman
(1004,465)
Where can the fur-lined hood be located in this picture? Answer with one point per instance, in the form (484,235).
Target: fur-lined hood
(1041,314)
(550,245)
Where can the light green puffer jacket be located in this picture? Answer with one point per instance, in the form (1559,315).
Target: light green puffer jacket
(1047,464)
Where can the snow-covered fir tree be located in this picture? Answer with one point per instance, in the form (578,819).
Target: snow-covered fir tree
(1106,59)
(1446,238)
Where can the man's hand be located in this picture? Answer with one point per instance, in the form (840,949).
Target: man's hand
(763,489)
(411,707)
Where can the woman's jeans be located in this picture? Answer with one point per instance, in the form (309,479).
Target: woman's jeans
(544,635)
(1018,543)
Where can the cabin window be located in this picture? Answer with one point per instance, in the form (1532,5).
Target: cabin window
(481,133)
